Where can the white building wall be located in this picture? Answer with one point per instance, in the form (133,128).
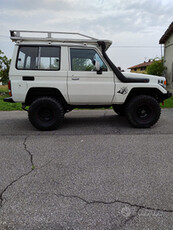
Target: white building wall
(168,60)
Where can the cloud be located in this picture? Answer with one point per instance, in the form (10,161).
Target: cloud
(55,5)
(125,22)
(111,16)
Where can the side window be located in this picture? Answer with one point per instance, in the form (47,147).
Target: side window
(102,64)
(38,58)
(27,58)
(49,58)
(84,60)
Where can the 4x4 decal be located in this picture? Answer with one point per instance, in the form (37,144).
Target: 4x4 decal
(123,90)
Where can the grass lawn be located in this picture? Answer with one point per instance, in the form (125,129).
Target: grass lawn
(168,103)
(4,106)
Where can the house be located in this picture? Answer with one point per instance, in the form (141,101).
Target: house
(167,40)
(140,68)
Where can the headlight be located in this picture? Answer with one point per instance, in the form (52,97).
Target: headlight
(162,83)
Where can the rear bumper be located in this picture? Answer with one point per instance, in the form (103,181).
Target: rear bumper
(9,99)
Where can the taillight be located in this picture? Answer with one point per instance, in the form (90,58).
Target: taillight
(9,88)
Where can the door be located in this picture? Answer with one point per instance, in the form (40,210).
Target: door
(86,85)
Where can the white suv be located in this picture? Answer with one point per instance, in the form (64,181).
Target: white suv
(54,75)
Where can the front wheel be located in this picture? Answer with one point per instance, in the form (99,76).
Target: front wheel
(143,111)
(46,113)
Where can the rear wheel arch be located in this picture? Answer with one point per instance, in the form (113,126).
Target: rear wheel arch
(36,92)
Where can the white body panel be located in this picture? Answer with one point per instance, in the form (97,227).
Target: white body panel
(90,88)
(153,83)
(42,79)
(77,87)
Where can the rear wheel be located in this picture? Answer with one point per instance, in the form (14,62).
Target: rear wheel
(46,113)
(143,111)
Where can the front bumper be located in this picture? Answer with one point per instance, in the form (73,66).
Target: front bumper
(9,99)
(166,96)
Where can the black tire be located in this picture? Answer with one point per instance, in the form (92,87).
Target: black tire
(46,113)
(143,111)
(119,109)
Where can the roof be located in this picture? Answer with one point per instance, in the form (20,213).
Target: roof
(49,36)
(144,64)
(167,34)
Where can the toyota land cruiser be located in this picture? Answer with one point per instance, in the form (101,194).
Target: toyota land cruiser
(54,75)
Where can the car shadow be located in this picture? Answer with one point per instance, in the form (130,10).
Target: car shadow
(109,124)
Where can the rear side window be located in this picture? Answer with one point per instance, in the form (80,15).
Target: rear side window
(38,58)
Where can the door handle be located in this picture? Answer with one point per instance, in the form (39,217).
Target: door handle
(75,78)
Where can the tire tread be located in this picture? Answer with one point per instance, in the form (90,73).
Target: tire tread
(140,99)
(58,109)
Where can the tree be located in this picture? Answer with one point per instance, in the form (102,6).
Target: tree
(156,68)
(4,68)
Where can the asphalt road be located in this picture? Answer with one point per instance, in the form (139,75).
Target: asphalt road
(95,172)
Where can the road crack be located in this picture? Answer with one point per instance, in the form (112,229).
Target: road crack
(127,214)
(23,175)
(30,154)
(9,185)
(139,207)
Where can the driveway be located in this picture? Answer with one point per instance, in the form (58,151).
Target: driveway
(95,172)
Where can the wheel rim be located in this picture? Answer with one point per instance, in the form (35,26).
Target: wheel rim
(45,114)
(144,112)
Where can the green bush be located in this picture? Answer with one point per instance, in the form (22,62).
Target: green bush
(4,67)
(156,68)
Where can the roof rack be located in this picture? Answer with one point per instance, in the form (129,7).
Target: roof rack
(16,35)
(21,35)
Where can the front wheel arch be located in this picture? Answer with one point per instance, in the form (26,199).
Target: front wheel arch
(153,92)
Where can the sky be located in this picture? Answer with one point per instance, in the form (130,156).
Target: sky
(134,26)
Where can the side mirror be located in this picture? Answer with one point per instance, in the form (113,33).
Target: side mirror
(97,67)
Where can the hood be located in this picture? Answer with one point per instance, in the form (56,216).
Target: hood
(153,78)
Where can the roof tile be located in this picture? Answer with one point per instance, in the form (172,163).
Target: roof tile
(144,64)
